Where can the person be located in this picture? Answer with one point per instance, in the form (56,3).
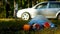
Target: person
(7,9)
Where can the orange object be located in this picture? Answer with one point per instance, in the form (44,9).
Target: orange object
(26,27)
(46,25)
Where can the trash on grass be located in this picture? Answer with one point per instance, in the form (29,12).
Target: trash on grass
(42,21)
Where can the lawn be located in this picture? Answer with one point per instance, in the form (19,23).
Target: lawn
(13,26)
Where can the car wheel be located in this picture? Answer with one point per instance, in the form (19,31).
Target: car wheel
(25,16)
(59,17)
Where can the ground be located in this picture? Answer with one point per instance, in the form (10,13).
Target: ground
(13,26)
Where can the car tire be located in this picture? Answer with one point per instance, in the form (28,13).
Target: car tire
(25,16)
(58,16)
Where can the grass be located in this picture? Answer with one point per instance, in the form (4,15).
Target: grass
(12,26)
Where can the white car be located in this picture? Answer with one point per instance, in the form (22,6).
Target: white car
(48,9)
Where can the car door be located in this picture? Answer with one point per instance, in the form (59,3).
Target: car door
(42,8)
(53,9)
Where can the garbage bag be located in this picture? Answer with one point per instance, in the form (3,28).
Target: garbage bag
(41,20)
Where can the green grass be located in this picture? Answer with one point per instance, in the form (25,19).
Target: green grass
(15,27)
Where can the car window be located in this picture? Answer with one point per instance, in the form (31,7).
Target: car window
(54,5)
(43,5)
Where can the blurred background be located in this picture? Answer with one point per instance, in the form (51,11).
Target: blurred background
(21,5)
(3,8)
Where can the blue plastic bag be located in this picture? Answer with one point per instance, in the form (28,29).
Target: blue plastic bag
(40,20)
